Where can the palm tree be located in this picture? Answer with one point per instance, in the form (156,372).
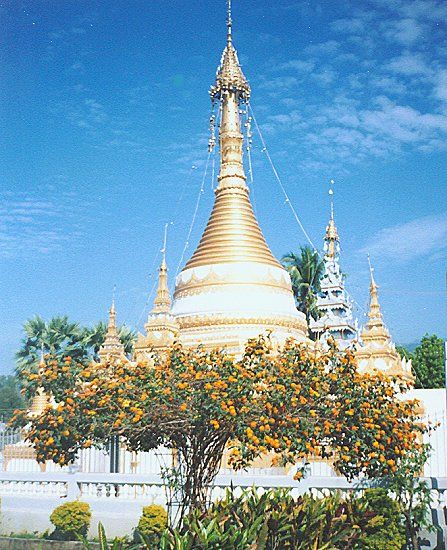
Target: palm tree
(58,337)
(305,270)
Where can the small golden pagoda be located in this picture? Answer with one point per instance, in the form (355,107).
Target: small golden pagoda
(161,327)
(24,450)
(40,400)
(378,352)
(112,347)
(233,288)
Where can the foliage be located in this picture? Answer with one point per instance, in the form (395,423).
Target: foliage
(10,396)
(412,493)
(384,530)
(274,520)
(305,270)
(153,521)
(288,404)
(59,338)
(70,520)
(428,362)
(116,544)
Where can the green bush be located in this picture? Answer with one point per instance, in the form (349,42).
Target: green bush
(385,529)
(270,521)
(276,520)
(153,521)
(70,520)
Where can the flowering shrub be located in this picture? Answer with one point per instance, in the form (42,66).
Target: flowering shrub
(293,403)
(153,521)
(70,520)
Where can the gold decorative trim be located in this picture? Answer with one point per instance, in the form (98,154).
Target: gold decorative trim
(195,284)
(204,321)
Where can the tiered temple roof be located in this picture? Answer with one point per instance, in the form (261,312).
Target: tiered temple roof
(337,318)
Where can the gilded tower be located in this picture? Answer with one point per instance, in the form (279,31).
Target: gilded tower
(111,348)
(161,326)
(377,352)
(233,288)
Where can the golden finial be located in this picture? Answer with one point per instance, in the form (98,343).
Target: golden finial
(374,306)
(112,346)
(112,315)
(162,302)
(229,77)
(331,236)
(42,359)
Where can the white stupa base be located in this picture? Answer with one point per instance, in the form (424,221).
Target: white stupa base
(224,305)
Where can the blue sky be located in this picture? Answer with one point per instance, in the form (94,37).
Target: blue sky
(105,114)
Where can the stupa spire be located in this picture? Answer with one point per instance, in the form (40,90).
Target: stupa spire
(163,302)
(332,241)
(112,345)
(229,22)
(233,288)
(374,313)
(233,233)
(111,326)
(161,326)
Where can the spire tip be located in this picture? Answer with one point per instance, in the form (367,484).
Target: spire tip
(229,21)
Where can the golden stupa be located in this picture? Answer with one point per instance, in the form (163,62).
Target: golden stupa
(161,326)
(112,347)
(233,288)
(377,352)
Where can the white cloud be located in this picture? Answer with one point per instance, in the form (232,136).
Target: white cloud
(405,31)
(409,64)
(410,240)
(32,225)
(353,25)
(441,85)
(323,48)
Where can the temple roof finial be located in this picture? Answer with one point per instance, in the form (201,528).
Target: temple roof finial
(331,236)
(162,302)
(229,77)
(42,358)
(377,351)
(111,329)
(112,345)
(374,314)
(40,400)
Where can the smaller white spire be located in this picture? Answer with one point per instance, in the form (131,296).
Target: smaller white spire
(337,318)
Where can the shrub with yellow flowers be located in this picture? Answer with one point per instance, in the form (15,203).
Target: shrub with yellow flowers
(292,403)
